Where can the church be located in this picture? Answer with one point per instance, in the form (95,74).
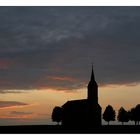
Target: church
(85,112)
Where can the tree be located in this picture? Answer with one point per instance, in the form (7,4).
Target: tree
(109,114)
(57,114)
(137,113)
(132,115)
(123,115)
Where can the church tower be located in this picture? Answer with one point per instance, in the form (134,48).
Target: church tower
(92,89)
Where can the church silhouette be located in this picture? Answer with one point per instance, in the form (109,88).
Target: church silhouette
(85,112)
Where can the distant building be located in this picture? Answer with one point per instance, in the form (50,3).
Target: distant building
(85,112)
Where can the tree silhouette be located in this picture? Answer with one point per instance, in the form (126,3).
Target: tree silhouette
(132,115)
(123,115)
(109,114)
(57,114)
(137,113)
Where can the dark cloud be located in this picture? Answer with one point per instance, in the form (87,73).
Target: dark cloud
(7,104)
(40,43)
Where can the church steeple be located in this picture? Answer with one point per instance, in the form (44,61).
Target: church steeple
(92,89)
(92,75)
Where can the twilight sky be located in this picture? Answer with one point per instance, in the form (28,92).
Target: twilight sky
(46,52)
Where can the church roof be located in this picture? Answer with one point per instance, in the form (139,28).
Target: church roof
(74,102)
(78,104)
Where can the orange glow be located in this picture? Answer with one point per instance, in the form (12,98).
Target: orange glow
(40,84)
(62,78)
(55,88)
(17,106)
(125,84)
(17,116)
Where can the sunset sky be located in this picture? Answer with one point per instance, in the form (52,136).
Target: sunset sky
(46,55)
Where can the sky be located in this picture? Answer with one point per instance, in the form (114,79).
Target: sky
(46,55)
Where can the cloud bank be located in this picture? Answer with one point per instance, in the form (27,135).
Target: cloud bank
(53,47)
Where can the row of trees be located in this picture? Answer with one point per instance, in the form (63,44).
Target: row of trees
(123,115)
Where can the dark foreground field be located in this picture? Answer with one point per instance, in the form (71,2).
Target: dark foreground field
(51,129)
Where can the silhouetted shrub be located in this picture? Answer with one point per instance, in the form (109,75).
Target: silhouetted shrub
(57,114)
(123,115)
(109,114)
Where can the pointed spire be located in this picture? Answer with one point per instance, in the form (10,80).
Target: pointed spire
(92,74)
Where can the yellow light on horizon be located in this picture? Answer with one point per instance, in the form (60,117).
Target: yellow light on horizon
(44,100)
